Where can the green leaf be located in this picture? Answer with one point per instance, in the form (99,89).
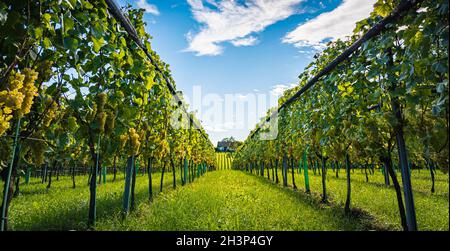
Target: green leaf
(381,9)
(98,43)
(71,3)
(350,90)
(437,66)
(68,23)
(145,98)
(87,5)
(436,110)
(138,101)
(123,42)
(129,60)
(149,83)
(413,99)
(46,17)
(440,88)
(80,70)
(38,33)
(46,43)
(71,43)
(119,56)
(97,30)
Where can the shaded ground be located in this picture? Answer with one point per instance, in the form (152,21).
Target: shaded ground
(226,200)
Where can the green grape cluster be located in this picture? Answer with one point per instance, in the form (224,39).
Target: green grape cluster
(10,100)
(101,115)
(164,148)
(135,143)
(72,123)
(119,94)
(91,113)
(37,148)
(101,118)
(101,101)
(50,114)
(110,122)
(45,70)
(18,95)
(123,138)
(29,90)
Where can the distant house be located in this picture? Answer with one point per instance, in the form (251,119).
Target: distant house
(227,145)
(223,146)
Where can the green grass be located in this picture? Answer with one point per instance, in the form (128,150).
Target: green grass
(221,200)
(229,200)
(63,208)
(373,197)
(233,200)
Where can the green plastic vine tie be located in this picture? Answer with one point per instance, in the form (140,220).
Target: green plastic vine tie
(305,172)
(128,177)
(95,183)
(185,169)
(27,175)
(104,174)
(8,178)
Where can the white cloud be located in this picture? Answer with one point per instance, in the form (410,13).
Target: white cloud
(242,97)
(278,90)
(149,8)
(248,41)
(214,128)
(335,24)
(232,21)
(223,127)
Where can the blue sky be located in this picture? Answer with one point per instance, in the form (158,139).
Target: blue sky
(243,47)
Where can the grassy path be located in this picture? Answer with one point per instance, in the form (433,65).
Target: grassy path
(226,200)
(432,210)
(233,200)
(374,198)
(65,208)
